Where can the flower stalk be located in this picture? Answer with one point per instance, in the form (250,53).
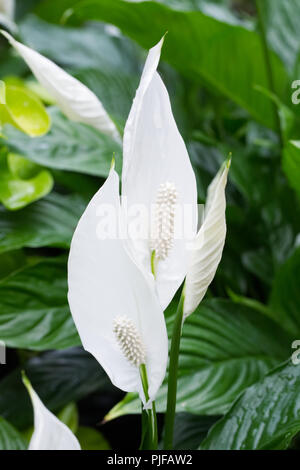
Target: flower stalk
(173,373)
(149,425)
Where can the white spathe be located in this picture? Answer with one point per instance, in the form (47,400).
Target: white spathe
(7,7)
(154,154)
(105,284)
(206,250)
(75,100)
(49,432)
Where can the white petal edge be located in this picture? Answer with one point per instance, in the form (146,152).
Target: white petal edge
(7,7)
(154,153)
(49,432)
(206,250)
(75,100)
(104,283)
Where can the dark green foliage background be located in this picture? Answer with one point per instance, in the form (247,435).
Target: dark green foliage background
(237,388)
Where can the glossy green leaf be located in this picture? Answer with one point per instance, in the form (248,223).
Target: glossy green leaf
(34,312)
(225,347)
(201,47)
(90,439)
(24,111)
(265,416)
(11,261)
(291,163)
(48,222)
(10,439)
(21,181)
(190,430)
(59,377)
(68,146)
(285,295)
(90,46)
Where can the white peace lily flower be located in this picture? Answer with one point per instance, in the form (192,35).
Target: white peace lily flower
(49,432)
(7,13)
(75,100)
(157,173)
(7,7)
(207,247)
(116,312)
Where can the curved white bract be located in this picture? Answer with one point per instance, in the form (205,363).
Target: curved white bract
(206,250)
(7,7)
(109,296)
(49,432)
(155,155)
(75,100)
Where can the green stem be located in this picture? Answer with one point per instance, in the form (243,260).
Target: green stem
(173,373)
(152,420)
(268,63)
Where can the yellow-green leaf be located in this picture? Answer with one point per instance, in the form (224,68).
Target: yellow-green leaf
(22,182)
(24,111)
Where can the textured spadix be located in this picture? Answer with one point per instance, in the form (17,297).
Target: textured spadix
(49,432)
(155,154)
(163,224)
(75,100)
(206,250)
(106,287)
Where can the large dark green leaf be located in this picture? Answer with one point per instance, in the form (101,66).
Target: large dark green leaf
(227,57)
(225,347)
(190,430)
(59,377)
(48,222)
(68,146)
(285,295)
(266,416)
(90,46)
(10,439)
(34,312)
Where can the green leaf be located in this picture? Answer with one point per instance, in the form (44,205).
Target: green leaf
(24,111)
(10,439)
(68,146)
(265,416)
(225,347)
(2,92)
(34,312)
(227,57)
(115,90)
(78,48)
(90,439)
(190,430)
(285,295)
(282,23)
(69,416)
(291,164)
(59,377)
(21,181)
(48,222)
(11,261)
